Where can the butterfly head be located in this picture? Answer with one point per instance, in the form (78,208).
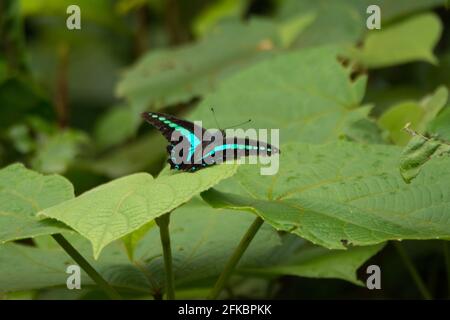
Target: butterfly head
(273,150)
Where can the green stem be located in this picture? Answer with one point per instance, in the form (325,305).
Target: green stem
(84,264)
(163,224)
(445,248)
(413,271)
(235,257)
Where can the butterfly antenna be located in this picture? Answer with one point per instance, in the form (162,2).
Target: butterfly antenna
(239,124)
(215,119)
(218,126)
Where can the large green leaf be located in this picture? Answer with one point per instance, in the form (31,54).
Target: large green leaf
(22,194)
(202,240)
(317,262)
(405,41)
(113,210)
(308,95)
(27,268)
(165,77)
(344,193)
(419,114)
(337,22)
(343,22)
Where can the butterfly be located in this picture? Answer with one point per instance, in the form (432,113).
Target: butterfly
(200,148)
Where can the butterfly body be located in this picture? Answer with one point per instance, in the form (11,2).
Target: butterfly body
(191,147)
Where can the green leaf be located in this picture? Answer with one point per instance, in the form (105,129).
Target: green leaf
(216,12)
(114,127)
(290,29)
(130,158)
(337,23)
(57,151)
(364,130)
(202,240)
(344,22)
(23,193)
(396,117)
(164,77)
(132,239)
(343,193)
(113,210)
(316,262)
(419,114)
(405,41)
(21,139)
(308,95)
(417,152)
(27,268)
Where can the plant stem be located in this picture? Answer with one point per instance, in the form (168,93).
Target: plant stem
(173,22)
(235,257)
(445,248)
(142,30)
(61,99)
(84,264)
(163,224)
(413,271)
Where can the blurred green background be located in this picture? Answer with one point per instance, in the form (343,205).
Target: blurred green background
(70,99)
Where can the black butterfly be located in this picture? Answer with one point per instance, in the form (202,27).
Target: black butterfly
(192,147)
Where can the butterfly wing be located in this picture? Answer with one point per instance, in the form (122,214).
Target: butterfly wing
(202,153)
(235,148)
(172,129)
(167,124)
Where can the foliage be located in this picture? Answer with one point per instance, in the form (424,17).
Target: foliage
(418,114)
(114,209)
(202,240)
(364,123)
(343,194)
(418,151)
(23,193)
(401,40)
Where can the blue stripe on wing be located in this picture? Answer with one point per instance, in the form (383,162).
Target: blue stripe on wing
(192,138)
